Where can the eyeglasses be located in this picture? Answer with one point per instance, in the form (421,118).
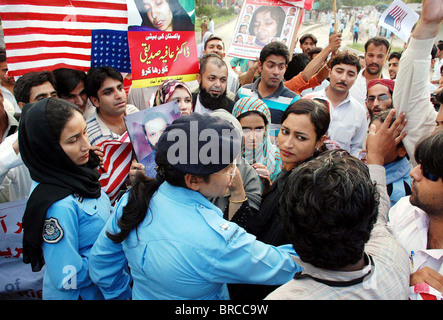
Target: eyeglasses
(234,169)
(382,97)
(429,175)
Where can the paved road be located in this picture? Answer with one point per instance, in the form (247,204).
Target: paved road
(226,32)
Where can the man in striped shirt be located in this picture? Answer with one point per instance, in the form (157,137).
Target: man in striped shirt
(269,87)
(106,126)
(104,87)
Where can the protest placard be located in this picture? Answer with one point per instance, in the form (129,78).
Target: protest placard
(17,281)
(261,22)
(157,56)
(145,128)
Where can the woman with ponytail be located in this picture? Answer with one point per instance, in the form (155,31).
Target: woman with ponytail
(172,237)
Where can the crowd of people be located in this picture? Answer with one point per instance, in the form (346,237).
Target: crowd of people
(320,183)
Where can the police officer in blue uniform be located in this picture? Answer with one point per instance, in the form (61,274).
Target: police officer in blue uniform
(66,204)
(175,241)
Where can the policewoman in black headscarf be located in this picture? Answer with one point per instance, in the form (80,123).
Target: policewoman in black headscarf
(66,209)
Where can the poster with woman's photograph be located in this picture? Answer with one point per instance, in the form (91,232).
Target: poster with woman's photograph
(265,21)
(145,128)
(161,15)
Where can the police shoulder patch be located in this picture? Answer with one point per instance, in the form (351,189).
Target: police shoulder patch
(52,231)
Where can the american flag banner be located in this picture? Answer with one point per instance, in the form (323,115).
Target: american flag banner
(399,19)
(46,35)
(117,156)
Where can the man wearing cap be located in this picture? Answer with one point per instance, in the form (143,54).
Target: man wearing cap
(379,96)
(174,239)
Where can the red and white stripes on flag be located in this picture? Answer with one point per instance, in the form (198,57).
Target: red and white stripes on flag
(398,14)
(117,157)
(399,18)
(50,34)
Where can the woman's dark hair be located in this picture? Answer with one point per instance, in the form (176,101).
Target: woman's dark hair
(317,112)
(58,113)
(141,193)
(181,21)
(253,112)
(329,209)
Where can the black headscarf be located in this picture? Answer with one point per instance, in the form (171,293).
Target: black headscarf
(55,172)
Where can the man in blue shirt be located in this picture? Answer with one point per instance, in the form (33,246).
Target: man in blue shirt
(269,87)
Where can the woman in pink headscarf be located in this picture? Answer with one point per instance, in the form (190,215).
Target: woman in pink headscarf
(174,90)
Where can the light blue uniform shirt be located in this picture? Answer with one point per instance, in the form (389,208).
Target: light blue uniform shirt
(184,249)
(71,228)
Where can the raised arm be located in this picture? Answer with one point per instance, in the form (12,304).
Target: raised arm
(319,61)
(411,92)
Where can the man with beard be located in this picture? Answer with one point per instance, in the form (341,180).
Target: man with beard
(213,80)
(269,87)
(376,50)
(379,96)
(348,117)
